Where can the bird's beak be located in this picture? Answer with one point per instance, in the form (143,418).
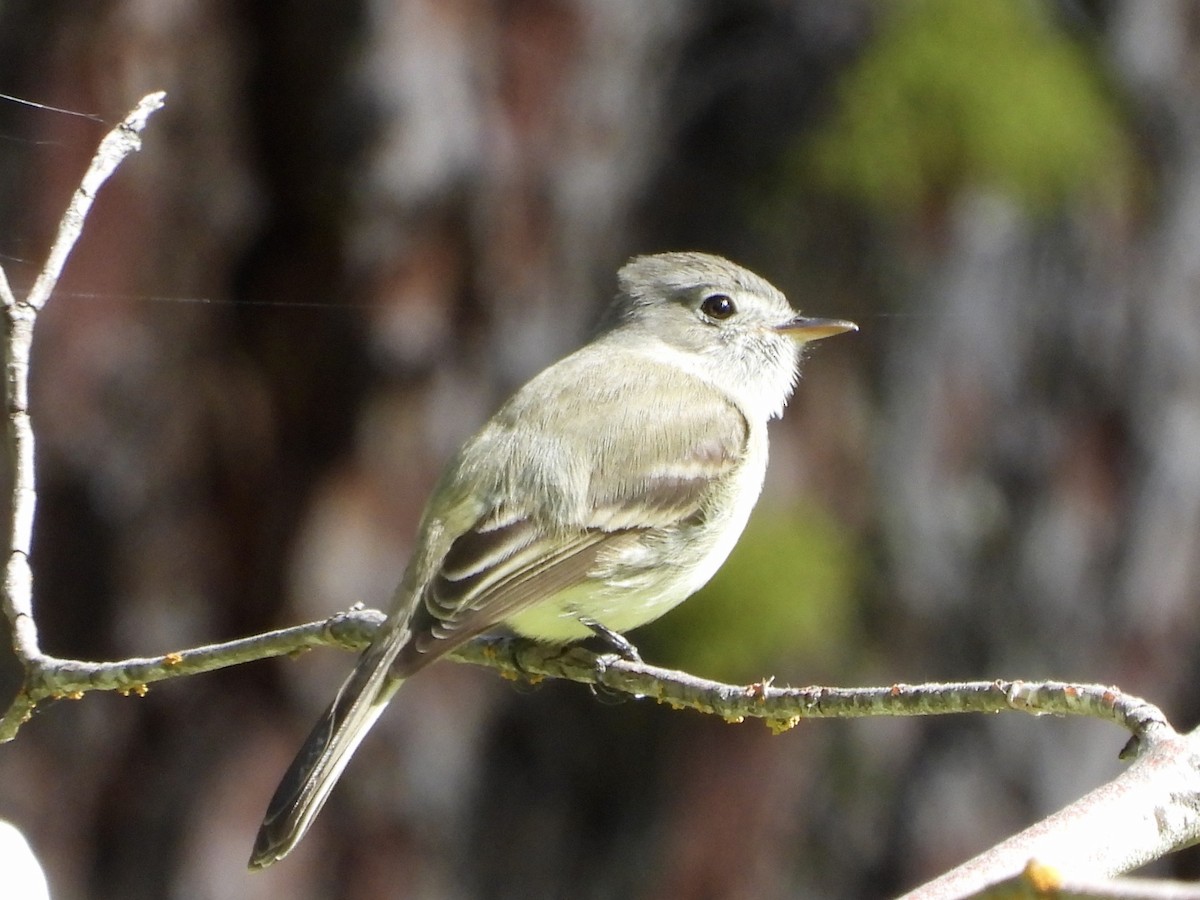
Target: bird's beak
(804,329)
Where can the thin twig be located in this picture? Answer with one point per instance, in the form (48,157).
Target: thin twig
(52,678)
(123,140)
(780,707)
(784,707)
(17,600)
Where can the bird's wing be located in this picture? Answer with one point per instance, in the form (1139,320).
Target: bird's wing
(649,460)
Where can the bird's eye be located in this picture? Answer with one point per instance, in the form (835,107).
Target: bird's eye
(718,306)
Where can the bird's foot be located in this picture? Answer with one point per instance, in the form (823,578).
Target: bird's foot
(611,640)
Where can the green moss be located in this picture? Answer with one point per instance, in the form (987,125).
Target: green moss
(986,92)
(783,600)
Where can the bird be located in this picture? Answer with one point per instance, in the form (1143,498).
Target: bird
(602,494)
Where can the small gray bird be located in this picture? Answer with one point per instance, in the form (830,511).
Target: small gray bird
(605,492)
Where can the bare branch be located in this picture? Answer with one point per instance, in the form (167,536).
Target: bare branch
(17,600)
(784,707)
(51,678)
(780,707)
(1151,809)
(123,140)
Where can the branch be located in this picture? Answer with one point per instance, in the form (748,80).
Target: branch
(1149,810)
(780,707)
(17,600)
(51,678)
(123,140)
(784,707)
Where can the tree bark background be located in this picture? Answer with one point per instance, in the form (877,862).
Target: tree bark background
(357,226)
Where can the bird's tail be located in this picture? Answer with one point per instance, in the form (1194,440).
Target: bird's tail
(326,751)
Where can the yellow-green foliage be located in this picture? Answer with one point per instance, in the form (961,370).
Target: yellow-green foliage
(781,604)
(986,92)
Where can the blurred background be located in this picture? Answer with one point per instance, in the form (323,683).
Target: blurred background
(359,224)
